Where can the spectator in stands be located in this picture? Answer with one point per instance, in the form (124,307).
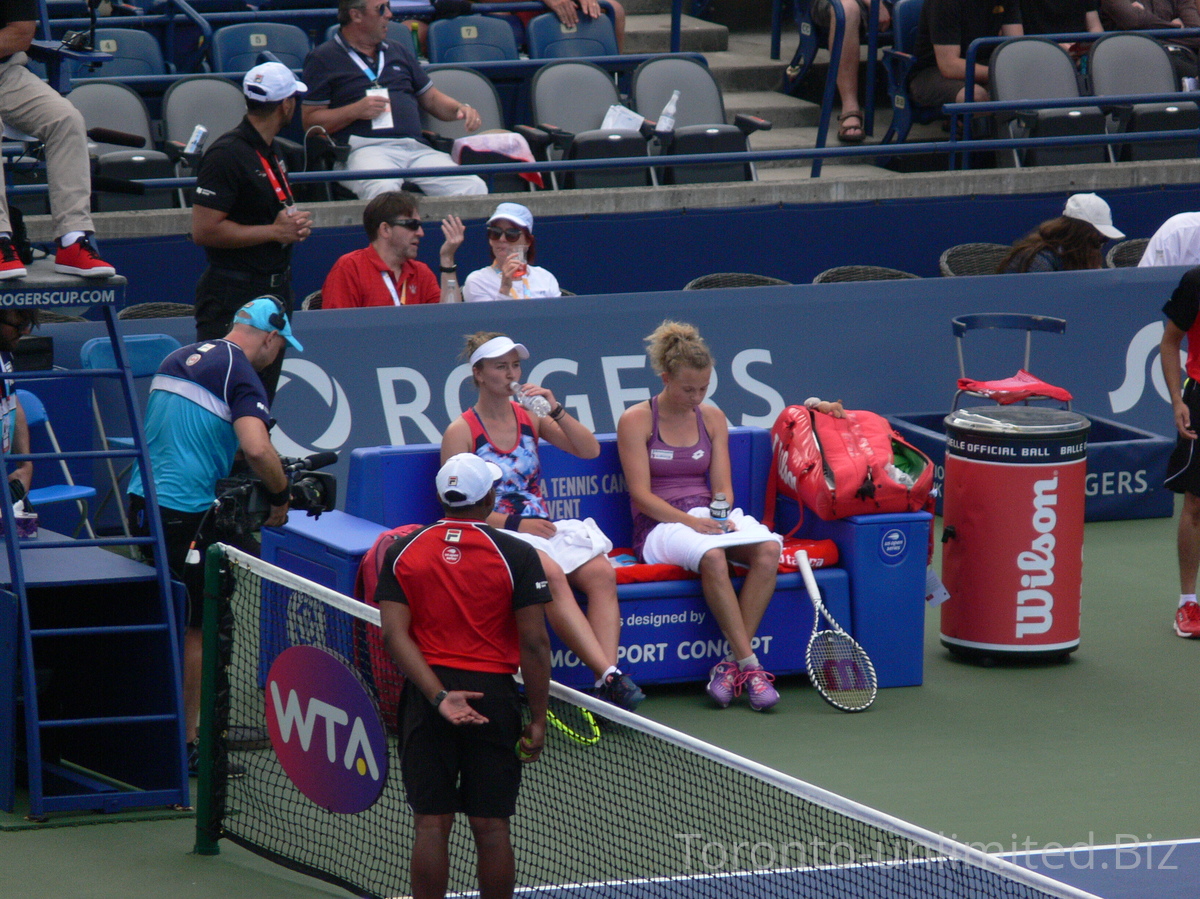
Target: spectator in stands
(1176,242)
(946,30)
(386,271)
(29,104)
(1068,243)
(568,12)
(573,552)
(368,92)
(675,454)
(1062,17)
(1139,15)
(244,214)
(857,18)
(511,276)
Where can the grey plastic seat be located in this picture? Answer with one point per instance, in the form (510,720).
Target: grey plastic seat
(569,101)
(208,100)
(1127,253)
(108,104)
(469,86)
(1033,68)
(732,279)
(700,123)
(861,273)
(1136,64)
(972,259)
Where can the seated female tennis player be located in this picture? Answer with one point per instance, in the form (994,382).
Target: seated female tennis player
(675,454)
(574,553)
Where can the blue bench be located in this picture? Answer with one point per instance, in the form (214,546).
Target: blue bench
(668,634)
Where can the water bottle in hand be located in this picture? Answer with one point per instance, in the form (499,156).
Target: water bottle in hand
(718,511)
(537,404)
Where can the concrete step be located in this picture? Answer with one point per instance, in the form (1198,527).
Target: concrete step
(652,34)
(782,111)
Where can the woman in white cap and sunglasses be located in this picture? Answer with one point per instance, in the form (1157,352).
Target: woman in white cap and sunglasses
(1070,242)
(511,276)
(574,553)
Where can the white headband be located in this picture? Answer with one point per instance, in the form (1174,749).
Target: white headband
(498,346)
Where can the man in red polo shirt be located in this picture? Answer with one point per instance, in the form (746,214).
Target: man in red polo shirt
(461,607)
(386,271)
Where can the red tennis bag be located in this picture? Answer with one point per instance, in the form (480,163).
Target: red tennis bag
(838,467)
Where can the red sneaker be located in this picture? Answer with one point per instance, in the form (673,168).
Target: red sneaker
(1187,620)
(11,265)
(81,258)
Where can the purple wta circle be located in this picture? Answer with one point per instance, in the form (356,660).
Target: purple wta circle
(326,730)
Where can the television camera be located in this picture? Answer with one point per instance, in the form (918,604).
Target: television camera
(242,507)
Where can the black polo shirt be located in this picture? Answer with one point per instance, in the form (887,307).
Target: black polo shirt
(1056,16)
(233,179)
(945,22)
(334,79)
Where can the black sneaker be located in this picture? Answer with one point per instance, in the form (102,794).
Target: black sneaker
(621,691)
(11,265)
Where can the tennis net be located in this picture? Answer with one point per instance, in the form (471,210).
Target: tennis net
(296,678)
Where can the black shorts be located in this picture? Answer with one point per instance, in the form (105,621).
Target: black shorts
(179,529)
(1183,468)
(470,768)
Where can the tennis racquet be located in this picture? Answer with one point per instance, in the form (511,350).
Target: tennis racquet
(584,731)
(838,667)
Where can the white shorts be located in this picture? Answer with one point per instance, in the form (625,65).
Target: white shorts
(573,544)
(673,543)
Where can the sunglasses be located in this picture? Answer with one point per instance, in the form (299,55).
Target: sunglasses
(381,8)
(410,224)
(512,235)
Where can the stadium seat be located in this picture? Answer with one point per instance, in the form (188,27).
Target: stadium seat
(108,104)
(898,61)
(1136,64)
(208,100)
(465,39)
(550,39)
(468,86)
(1127,253)
(1034,68)
(66,490)
(236,48)
(972,259)
(133,53)
(699,119)
(841,273)
(569,102)
(733,279)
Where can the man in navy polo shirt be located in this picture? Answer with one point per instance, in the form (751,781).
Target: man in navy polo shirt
(368,92)
(206,403)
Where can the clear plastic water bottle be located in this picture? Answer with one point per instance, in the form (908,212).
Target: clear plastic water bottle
(449,288)
(718,511)
(666,121)
(196,142)
(537,404)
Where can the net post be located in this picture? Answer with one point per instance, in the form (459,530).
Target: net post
(208,808)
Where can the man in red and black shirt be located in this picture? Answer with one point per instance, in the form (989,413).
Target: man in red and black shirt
(461,606)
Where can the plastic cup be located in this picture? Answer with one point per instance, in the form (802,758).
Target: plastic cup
(518,253)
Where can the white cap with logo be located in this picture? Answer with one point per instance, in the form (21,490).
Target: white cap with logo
(271,82)
(1093,210)
(465,479)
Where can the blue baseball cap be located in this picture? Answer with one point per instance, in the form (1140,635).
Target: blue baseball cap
(266,314)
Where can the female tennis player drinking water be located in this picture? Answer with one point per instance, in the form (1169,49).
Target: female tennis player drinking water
(573,552)
(675,454)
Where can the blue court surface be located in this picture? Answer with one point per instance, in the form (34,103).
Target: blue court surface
(1155,870)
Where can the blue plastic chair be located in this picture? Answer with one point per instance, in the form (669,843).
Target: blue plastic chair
(67,491)
(145,352)
(133,53)
(471,39)
(898,61)
(236,48)
(550,39)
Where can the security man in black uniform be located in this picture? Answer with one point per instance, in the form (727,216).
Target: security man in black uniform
(244,214)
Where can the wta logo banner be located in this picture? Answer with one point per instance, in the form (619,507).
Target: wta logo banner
(325,729)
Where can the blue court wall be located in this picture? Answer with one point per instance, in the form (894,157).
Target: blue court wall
(393,376)
(648,251)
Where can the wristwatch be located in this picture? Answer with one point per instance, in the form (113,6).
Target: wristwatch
(437,700)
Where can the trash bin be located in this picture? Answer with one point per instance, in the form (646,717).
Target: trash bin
(1012,555)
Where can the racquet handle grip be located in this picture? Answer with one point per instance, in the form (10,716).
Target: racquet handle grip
(810,582)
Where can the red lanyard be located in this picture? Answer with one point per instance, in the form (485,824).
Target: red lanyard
(285,196)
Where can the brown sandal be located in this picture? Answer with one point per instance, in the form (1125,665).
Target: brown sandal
(851,134)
